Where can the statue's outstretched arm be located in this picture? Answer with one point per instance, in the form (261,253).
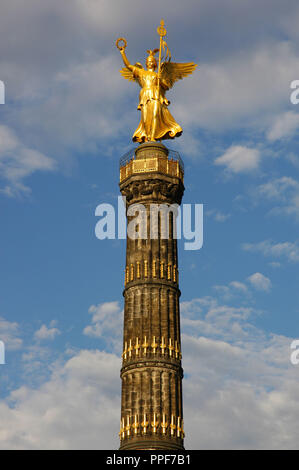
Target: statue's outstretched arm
(125,59)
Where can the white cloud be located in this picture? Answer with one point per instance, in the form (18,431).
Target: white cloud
(107,318)
(239,289)
(217,215)
(288,250)
(17,162)
(238,159)
(284,125)
(275,264)
(77,99)
(239,91)
(260,282)
(10,334)
(78,408)
(294,159)
(240,389)
(45,333)
(239,286)
(36,364)
(220,217)
(285,192)
(209,318)
(277,188)
(234,288)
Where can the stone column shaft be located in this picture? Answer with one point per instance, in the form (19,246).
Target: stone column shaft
(151,374)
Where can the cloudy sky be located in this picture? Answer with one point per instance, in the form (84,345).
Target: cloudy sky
(68,118)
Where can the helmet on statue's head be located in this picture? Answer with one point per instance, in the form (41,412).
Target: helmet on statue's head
(151,61)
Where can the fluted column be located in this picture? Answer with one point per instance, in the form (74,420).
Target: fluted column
(151,374)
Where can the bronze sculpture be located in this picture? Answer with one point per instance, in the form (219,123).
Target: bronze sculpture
(156,122)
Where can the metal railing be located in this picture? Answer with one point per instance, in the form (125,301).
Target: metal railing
(130,155)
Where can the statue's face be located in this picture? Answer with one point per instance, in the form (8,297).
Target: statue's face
(151,63)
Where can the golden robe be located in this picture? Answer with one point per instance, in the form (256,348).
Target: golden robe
(156,121)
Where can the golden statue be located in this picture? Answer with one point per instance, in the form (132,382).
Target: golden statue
(156,121)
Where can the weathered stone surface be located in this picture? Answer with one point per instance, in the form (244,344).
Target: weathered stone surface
(151,404)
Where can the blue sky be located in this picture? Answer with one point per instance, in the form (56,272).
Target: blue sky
(68,118)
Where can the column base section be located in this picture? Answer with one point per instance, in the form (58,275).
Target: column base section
(151,443)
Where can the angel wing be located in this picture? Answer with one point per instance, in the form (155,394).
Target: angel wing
(171,71)
(128,74)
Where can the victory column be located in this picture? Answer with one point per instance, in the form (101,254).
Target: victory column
(151,374)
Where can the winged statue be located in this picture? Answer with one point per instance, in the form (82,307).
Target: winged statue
(156,121)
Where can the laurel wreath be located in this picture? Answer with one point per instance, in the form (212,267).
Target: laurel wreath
(120,46)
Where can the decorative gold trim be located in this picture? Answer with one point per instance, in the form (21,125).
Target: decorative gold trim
(130,348)
(161,269)
(155,424)
(145,268)
(135,425)
(153,347)
(144,424)
(179,429)
(163,345)
(128,426)
(177,350)
(170,347)
(145,346)
(132,273)
(124,354)
(164,424)
(145,164)
(163,165)
(166,270)
(172,425)
(137,347)
(152,425)
(138,270)
(183,432)
(174,273)
(154,272)
(122,429)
